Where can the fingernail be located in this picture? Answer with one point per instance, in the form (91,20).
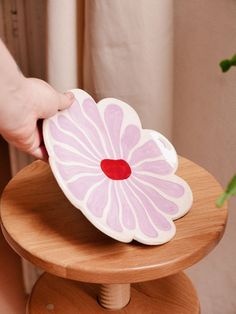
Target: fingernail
(70,95)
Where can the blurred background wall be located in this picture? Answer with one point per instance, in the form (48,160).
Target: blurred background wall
(204,126)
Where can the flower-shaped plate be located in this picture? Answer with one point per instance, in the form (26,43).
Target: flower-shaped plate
(122,177)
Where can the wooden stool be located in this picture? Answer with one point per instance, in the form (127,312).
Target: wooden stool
(42,226)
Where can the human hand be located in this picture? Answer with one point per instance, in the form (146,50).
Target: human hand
(23,107)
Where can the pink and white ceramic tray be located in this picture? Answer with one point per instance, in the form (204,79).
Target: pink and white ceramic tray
(122,177)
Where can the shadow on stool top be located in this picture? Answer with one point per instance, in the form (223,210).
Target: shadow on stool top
(42,226)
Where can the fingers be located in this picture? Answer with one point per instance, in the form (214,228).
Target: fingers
(45,99)
(24,142)
(30,142)
(38,149)
(66,100)
(35,100)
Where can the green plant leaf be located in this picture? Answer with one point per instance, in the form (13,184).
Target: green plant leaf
(225,65)
(233,60)
(230,191)
(221,199)
(231,188)
(228,63)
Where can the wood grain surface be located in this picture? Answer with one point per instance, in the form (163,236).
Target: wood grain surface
(42,226)
(170,295)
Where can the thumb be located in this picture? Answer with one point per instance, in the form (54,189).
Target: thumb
(65,100)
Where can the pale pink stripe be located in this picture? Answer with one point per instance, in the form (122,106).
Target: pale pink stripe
(159,167)
(91,110)
(67,156)
(69,126)
(69,171)
(163,204)
(156,217)
(64,138)
(146,151)
(170,188)
(113,117)
(98,199)
(113,219)
(80,186)
(90,131)
(142,218)
(129,139)
(128,218)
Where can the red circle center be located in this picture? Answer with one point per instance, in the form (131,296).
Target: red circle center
(117,169)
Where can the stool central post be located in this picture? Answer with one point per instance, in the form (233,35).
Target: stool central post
(114,296)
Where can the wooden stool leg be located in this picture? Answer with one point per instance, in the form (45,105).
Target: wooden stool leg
(114,296)
(170,295)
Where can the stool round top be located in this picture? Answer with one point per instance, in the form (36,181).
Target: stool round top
(42,226)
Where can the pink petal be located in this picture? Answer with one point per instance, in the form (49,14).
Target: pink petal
(64,138)
(82,185)
(129,139)
(69,171)
(113,117)
(65,155)
(142,218)
(170,188)
(162,203)
(90,131)
(159,167)
(91,110)
(69,126)
(156,217)
(128,218)
(98,199)
(147,150)
(113,219)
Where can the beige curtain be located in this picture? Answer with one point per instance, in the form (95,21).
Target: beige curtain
(128,55)
(125,50)
(204,127)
